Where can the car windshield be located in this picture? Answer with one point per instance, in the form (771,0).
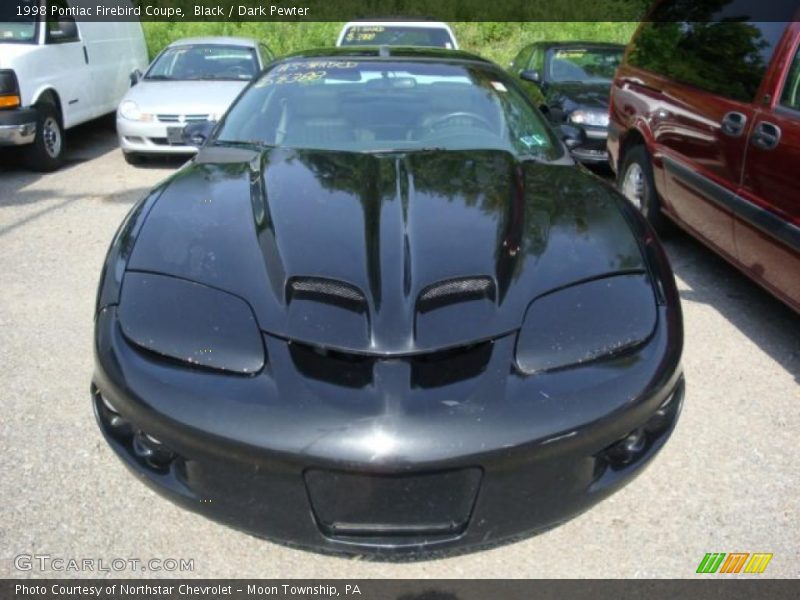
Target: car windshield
(585,65)
(383,105)
(396,35)
(21,31)
(204,62)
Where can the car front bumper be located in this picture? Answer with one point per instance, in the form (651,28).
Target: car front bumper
(148,138)
(290,456)
(593,151)
(18,126)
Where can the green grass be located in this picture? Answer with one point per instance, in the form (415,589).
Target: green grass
(496,41)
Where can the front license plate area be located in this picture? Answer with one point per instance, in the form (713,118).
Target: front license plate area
(175,136)
(355,504)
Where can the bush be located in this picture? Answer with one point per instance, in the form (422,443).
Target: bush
(496,41)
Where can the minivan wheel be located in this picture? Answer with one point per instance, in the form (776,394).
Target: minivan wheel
(636,184)
(46,153)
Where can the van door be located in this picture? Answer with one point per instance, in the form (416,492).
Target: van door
(106,49)
(702,114)
(64,66)
(767,224)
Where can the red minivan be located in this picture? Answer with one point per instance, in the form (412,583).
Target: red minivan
(705,130)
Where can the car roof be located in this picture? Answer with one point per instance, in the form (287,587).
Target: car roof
(389,52)
(406,22)
(578,44)
(216,41)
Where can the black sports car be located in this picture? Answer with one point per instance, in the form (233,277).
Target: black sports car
(571,82)
(383,311)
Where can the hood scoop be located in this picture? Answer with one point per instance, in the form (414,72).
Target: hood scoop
(453,291)
(330,291)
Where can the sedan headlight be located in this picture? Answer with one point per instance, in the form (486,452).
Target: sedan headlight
(130,110)
(585,322)
(190,322)
(593,118)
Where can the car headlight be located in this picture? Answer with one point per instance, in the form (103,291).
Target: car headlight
(190,322)
(594,118)
(585,322)
(130,110)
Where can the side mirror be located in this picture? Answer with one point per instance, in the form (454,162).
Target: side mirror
(67,30)
(572,136)
(136,77)
(196,134)
(531,75)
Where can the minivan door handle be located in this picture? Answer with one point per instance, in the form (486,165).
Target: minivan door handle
(766,136)
(85,55)
(733,124)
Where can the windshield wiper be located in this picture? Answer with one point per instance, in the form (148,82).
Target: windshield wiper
(241,143)
(157,78)
(402,150)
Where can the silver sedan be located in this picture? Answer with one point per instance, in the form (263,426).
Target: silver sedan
(190,81)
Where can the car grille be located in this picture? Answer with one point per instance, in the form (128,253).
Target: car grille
(165,118)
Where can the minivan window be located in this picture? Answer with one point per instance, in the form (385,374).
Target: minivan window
(728,58)
(790,97)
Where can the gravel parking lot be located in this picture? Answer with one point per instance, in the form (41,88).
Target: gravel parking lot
(728,481)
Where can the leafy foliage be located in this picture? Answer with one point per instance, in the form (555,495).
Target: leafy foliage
(496,41)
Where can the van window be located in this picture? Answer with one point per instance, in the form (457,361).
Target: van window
(728,58)
(22,30)
(790,97)
(61,29)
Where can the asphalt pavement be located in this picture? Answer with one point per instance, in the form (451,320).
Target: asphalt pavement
(728,480)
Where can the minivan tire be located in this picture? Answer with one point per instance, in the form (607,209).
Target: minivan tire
(635,181)
(46,153)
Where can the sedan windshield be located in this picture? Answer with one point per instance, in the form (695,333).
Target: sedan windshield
(21,31)
(382,106)
(585,65)
(396,35)
(204,61)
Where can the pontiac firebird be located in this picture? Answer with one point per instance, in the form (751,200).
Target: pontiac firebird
(383,311)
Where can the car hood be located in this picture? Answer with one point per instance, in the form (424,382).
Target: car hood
(185,97)
(581,95)
(385,254)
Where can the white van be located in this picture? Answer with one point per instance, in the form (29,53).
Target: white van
(56,73)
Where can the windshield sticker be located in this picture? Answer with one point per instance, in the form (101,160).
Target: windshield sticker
(534,141)
(314,65)
(570,53)
(499,86)
(280,79)
(364,33)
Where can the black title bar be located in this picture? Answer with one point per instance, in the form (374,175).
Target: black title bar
(441,10)
(706,587)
